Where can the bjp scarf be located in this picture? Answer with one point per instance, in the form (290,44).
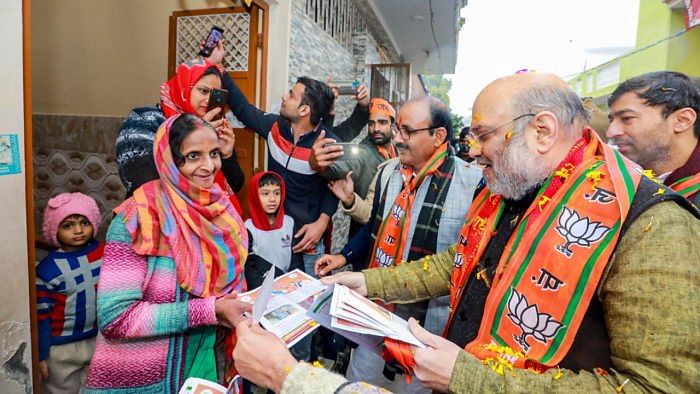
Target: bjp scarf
(387,153)
(687,186)
(197,227)
(391,238)
(551,267)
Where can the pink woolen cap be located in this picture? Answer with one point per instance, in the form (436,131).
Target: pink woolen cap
(63,205)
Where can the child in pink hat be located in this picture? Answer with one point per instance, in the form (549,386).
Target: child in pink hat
(66,288)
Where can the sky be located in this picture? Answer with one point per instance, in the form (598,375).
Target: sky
(563,37)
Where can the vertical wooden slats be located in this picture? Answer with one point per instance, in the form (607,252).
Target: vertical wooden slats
(339,18)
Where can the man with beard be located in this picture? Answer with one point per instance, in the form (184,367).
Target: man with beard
(654,122)
(572,273)
(289,137)
(419,204)
(352,172)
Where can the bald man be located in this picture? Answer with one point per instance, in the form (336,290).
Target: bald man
(570,264)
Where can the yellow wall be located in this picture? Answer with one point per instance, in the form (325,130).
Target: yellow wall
(14,313)
(678,53)
(101,57)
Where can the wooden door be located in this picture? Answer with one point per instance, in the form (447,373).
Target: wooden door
(244,34)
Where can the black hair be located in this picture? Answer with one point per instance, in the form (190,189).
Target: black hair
(669,90)
(440,117)
(465,132)
(183,126)
(318,96)
(213,70)
(269,179)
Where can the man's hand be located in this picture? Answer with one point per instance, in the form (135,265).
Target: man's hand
(353,280)
(328,263)
(227,139)
(218,53)
(323,156)
(44,369)
(362,96)
(434,364)
(311,233)
(261,357)
(336,93)
(229,310)
(344,189)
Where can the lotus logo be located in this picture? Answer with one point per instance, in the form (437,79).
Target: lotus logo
(578,231)
(397,212)
(383,258)
(459,260)
(541,326)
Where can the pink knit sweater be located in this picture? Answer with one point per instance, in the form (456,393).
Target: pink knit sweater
(144,318)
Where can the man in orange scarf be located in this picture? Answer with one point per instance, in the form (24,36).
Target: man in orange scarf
(572,272)
(654,122)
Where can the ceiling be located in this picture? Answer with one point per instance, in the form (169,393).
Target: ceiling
(427,40)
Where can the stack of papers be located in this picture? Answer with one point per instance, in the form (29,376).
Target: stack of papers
(280,304)
(359,319)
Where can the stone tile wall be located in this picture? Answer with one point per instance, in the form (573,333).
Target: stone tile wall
(76,154)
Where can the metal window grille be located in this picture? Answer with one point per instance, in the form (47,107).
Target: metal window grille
(192,30)
(339,18)
(392,82)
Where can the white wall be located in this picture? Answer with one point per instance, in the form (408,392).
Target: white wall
(15,342)
(278,52)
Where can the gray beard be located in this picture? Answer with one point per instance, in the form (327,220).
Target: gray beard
(518,171)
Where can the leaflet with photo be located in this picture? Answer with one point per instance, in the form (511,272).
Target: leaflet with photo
(359,319)
(284,302)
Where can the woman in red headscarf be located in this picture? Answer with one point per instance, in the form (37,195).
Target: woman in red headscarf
(187,92)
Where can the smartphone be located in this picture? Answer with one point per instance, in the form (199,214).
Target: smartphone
(210,42)
(348,88)
(217,99)
(350,150)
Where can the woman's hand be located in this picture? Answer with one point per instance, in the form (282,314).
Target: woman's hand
(227,139)
(261,357)
(229,310)
(218,53)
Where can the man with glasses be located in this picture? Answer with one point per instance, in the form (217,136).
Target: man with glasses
(419,205)
(573,272)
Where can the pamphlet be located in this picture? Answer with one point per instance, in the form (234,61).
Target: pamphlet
(285,304)
(360,320)
(201,386)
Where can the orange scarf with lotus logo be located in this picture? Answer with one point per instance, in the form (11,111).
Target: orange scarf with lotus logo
(550,268)
(391,238)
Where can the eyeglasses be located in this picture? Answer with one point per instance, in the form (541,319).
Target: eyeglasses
(405,132)
(479,138)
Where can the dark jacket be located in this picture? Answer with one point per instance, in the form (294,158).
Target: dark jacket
(307,194)
(134,149)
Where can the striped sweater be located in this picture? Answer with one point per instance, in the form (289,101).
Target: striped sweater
(65,290)
(145,320)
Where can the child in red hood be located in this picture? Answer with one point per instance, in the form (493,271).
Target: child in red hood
(271,230)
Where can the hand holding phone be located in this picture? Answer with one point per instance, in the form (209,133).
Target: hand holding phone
(217,99)
(210,42)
